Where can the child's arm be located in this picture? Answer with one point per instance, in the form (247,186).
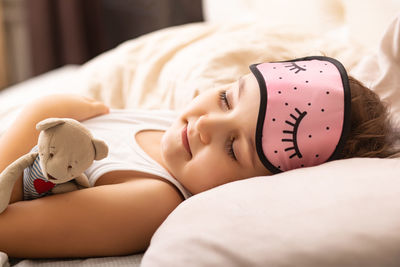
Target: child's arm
(22,135)
(99,221)
(107,220)
(60,106)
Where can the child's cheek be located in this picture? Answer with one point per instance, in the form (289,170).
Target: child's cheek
(207,173)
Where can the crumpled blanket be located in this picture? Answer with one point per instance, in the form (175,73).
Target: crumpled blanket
(381,70)
(166,69)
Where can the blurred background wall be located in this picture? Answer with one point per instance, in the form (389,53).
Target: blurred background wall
(37,36)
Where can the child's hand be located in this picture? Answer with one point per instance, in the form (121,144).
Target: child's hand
(94,108)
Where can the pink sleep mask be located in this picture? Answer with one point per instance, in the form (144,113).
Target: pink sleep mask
(304,114)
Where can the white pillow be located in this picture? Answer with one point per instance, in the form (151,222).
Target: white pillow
(342,213)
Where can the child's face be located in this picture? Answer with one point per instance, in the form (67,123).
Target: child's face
(220,136)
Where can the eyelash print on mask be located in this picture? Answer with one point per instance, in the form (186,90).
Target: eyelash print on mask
(296,68)
(293,132)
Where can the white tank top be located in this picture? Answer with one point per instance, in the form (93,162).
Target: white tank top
(118,130)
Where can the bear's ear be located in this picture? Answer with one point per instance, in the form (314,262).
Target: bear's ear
(101,149)
(49,123)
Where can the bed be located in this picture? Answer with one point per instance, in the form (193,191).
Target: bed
(343,213)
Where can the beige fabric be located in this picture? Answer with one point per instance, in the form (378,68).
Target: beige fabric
(343,213)
(381,70)
(168,68)
(362,20)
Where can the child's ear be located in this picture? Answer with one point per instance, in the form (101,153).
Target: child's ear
(101,149)
(49,123)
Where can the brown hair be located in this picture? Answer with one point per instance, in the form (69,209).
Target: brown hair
(371,132)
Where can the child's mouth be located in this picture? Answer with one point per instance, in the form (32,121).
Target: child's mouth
(185,140)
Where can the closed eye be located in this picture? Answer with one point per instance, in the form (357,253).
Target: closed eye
(224,99)
(229,148)
(293,133)
(229,144)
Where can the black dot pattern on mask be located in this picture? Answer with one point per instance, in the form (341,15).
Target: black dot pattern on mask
(299,89)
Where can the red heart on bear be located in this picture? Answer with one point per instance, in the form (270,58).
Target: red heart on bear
(42,186)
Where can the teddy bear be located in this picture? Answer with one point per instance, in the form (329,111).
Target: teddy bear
(65,149)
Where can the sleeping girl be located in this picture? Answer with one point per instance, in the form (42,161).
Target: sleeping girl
(279,117)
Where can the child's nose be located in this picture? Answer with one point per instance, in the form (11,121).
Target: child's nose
(210,125)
